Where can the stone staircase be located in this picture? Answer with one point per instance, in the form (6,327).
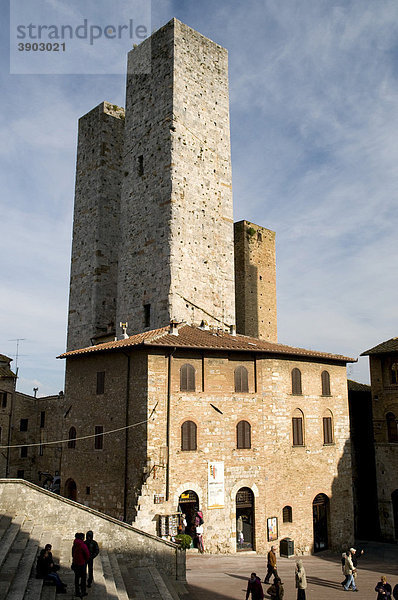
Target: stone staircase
(114,577)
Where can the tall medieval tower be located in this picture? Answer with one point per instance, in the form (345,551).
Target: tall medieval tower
(153,225)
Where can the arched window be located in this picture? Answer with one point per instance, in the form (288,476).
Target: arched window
(188,435)
(243,435)
(72,438)
(394,372)
(241,379)
(392,430)
(327,428)
(296,382)
(325,378)
(298,428)
(287,514)
(187,378)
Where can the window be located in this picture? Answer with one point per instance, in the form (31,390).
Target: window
(394,372)
(100,382)
(3,399)
(287,514)
(259,237)
(325,378)
(0,434)
(24,451)
(327,430)
(20,473)
(392,431)
(140,165)
(188,435)
(241,379)
(42,419)
(297,425)
(88,491)
(187,378)
(296,382)
(147,315)
(72,438)
(243,435)
(23,425)
(99,437)
(41,450)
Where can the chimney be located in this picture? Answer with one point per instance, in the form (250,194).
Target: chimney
(232,330)
(204,325)
(124,329)
(173,328)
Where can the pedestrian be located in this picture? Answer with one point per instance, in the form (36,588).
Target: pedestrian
(395,592)
(254,588)
(355,558)
(199,538)
(94,551)
(343,568)
(383,589)
(349,573)
(301,580)
(80,556)
(46,569)
(271,565)
(276,591)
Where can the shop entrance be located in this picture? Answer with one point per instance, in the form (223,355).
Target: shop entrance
(70,489)
(320,512)
(188,504)
(244,519)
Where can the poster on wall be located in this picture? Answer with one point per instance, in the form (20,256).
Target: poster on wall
(215,485)
(272,529)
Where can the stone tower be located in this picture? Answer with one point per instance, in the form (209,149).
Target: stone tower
(93,277)
(255,281)
(176,249)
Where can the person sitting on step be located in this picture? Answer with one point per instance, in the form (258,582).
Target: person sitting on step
(46,569)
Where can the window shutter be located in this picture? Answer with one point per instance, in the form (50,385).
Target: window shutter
(188,436)
(392,430)
(241,379)
(187,378)
(325,377)
(243,435)
(327,430)
(296,382)
(100,382)
(297,431)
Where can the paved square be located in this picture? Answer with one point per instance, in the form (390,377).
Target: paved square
(225,577)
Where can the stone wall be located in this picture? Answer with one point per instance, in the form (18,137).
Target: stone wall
(64,517)
(95,245)
(255,281)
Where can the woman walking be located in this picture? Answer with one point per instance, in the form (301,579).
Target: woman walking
(383,589)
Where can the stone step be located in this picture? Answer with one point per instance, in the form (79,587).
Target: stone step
(160,584)
(5,522)
(27,553)
(9,537)
(108,575)
(117,575)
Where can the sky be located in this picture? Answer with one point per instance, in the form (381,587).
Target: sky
(314,122)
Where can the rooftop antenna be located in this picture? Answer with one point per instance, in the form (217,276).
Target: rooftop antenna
(17,353)
(35,390)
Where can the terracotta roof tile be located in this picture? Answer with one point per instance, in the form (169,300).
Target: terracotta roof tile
(196,338)
(355,386)
(383,348)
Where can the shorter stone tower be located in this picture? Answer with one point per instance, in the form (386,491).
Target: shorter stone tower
(255,281)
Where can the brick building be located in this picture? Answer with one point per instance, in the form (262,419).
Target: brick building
(383,362)
(184,412)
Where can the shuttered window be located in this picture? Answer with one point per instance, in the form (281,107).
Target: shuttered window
(296,382)
(297,423)
(99,437)
(327,430)
(287,514)
(243,435)
(241,379)
(100,382)
(187,378)
(188,436)
(325,377)
(72,438)
(392,430)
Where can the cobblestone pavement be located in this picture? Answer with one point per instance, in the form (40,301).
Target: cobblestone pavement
(224,577)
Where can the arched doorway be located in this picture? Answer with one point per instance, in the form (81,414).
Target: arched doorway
(394,499)
(244,519)
(320,512)
(70,489)
(188,503)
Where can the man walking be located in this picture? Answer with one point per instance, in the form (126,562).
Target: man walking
(271,564)
(349,573)
(94,551)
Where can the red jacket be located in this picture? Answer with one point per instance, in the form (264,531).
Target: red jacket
(80,553)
